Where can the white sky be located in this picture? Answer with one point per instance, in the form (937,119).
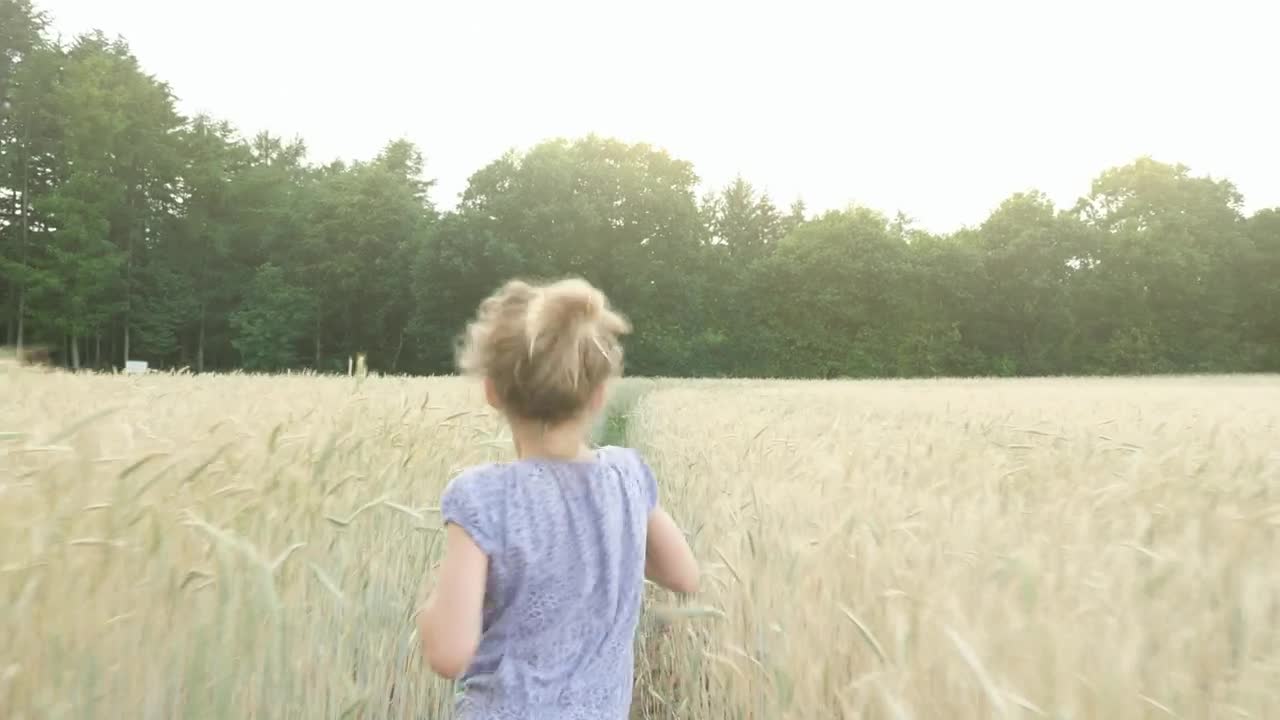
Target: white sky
(938,109)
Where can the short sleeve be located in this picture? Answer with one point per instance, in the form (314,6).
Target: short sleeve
(466,503)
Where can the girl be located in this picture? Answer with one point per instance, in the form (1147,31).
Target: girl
(538,593)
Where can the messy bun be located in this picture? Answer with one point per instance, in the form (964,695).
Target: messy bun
(545,348)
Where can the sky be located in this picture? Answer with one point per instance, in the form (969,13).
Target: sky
(936,109)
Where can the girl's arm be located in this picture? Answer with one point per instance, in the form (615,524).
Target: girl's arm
(450,621)
(668,559)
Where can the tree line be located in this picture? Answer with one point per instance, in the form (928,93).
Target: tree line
(128,231)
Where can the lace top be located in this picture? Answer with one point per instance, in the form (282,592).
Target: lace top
(566,548)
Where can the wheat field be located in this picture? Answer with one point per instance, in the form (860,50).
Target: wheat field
(252,547)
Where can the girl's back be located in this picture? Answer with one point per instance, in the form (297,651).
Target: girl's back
(539,586)
(566,546)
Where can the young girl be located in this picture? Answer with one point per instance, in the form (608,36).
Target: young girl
(538,594)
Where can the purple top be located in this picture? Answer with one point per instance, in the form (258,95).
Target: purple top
(566,547)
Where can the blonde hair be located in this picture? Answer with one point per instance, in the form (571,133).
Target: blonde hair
(545,348)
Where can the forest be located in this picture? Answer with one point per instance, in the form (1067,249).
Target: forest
(128,231)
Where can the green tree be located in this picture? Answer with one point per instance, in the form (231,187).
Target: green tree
(77,264)
(401,190)
(827,300)
(196,278)
(272,322)
(1023,321)
(264,202)
(1260,287)
(942,292)
(28,71)
(623,216)
(177,241)
(743,221)
(1161,294)
(795,217)
(271,200)
(21,33)
(742,228)
(454,267)
(116,143)
(363,228)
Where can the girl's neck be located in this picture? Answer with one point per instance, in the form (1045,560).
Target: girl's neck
(536,440)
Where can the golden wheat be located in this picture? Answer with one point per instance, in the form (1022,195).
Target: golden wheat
(226,546)
(1066,549)
(241,546)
